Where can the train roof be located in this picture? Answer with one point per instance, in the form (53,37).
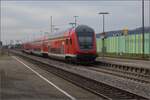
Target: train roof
(78,29)
(83,28)
(59,34)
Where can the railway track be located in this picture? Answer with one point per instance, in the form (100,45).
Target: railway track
(136,74)
(106,91)
(132,73)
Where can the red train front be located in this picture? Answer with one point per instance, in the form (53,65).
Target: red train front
(78,44)
(75,44)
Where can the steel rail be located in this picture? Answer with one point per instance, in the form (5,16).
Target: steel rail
(104,90)
(139,75)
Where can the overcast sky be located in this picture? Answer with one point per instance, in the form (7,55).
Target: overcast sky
(27,20)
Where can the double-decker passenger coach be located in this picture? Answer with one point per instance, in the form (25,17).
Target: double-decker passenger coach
(75,44)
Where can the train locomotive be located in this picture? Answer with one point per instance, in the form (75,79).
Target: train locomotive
(75,44)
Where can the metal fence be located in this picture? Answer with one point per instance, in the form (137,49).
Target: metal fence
(130,44)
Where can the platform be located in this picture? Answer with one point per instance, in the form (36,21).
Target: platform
(128,62)
(21,80)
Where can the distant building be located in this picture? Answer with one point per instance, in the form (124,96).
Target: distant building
(120,32)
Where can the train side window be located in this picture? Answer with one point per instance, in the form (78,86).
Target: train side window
(67,41)
(70,41)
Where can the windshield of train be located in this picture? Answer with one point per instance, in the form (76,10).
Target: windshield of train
(85,39)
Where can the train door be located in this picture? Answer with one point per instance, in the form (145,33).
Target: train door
(67,46)
(70,46)
(62,47)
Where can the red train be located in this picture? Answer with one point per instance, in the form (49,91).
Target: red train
(75,44)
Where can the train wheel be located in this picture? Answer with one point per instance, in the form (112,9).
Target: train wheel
(45,55)
(68,60)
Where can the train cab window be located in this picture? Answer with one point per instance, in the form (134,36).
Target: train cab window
(85,37)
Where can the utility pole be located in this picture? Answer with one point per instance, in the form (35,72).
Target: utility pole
(72,24)
(0,42)
(0,36)
(56,28)
(75,18)
(149,33)
(103,39)
(0,30)
(143,30)
(51,24)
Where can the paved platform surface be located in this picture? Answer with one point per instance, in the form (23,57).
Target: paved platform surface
(21,80)
(130,62)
